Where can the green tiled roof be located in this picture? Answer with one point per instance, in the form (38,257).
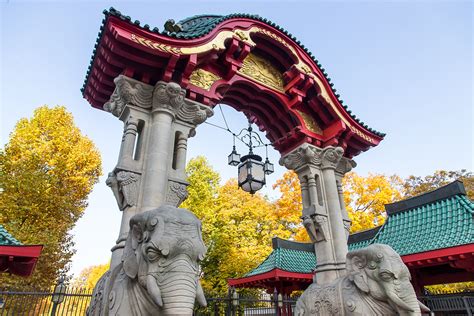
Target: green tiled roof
(288,260)
(435,220)
(441,224)
(200,25)
(6,239)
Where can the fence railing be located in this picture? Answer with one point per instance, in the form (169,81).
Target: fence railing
(450,304)
(72,301)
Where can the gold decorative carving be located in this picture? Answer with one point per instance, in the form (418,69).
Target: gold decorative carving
(310,123)
(154,45)
(203,78)
(364,136)
(218,43)
(241,35)
(261,70)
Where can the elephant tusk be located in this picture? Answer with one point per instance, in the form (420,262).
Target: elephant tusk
(154,290)
(200,295)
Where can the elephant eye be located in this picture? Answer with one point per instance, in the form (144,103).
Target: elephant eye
(386,276)
(152,254)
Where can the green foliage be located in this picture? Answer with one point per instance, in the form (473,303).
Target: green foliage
(47,170)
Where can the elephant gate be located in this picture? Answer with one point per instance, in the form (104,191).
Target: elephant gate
(162,84)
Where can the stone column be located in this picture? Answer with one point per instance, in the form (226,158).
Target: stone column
(151,167)
(167,99)
(323,213)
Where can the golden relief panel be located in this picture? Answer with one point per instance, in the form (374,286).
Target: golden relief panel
(310,124)
(262,71)
(268,78)
(203,78)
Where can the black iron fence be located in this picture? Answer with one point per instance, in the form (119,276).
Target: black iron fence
(450,304)
(62,301)
(248,305)
(69,301)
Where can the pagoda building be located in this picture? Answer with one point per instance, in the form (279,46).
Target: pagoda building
(432,232)
(16,258)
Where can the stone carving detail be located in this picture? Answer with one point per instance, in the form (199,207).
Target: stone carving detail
(168,96)
(128,91)
(261,70)
(377,283)
(194,113)
(305,154)
(345,165)
(203,78)
(317,226)
(331,156)
(160,266)
(177,193)
(124,185)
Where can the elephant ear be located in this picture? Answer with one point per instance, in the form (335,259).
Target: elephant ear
(355,264)
(129,258)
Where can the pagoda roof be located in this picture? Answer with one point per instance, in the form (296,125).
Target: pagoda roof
(437,224)
(126,47)
(15,257)
(439,219)
(6,238)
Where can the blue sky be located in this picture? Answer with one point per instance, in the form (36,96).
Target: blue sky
(405,68)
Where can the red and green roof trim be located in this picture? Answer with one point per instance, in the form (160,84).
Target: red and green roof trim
(15,257)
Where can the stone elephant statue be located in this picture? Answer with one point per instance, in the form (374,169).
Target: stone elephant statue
(159,273)
(377,283)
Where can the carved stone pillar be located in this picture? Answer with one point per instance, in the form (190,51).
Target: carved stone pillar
(150,171)
(330,158)
(167,99)
(324,217)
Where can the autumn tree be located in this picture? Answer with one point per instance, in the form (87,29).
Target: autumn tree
(365,198)
(416,185)
(89,276)
(288,207)
(47,170)
(237,226)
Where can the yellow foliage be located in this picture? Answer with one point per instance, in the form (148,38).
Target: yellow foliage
(365,198)
(289,206)
(47,170)
(451,288)
(89,276)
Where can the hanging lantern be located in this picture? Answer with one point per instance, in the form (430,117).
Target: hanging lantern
(268,167)
(233,158)
(251,173)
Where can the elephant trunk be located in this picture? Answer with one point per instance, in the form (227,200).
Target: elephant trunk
(178,286)
(404,302)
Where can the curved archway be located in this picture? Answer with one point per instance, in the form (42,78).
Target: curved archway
(245,61)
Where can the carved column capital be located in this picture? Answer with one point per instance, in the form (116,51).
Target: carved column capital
(168,96)
(345,165)
(303,155)
(128,91)
(331,157)
(194,113)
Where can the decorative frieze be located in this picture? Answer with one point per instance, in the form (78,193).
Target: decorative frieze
(128,91)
